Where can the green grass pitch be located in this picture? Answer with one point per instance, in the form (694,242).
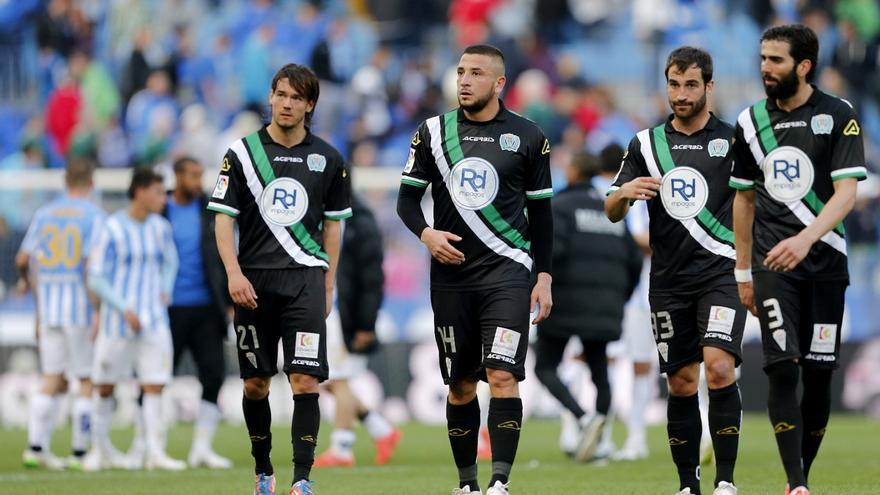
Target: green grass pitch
(849,463)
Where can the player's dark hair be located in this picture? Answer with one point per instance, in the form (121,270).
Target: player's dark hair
(586,164)
(686,56)
(143,178)
(181,163)
(610,158)
(79,171)
(487,50)
(802,43)
(301,79)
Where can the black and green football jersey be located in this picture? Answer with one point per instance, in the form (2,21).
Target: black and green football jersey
(280,197)
(481,174)
(791,159)
(691,222)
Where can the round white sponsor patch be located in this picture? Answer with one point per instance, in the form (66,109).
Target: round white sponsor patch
(788,174)
(683,192)
(284,202)
(473,183)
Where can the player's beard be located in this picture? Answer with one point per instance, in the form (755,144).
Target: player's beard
(478,104)
(690,112)
(784,88)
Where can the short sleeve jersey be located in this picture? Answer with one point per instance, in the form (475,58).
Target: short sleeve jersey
(481,175)
(280,197)
(691,223)
(791,160)
(59,240)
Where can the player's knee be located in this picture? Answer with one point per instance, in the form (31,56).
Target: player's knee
(682,383)
(105,390)
(256,388)
(462,392)
(304,384)
(720,372)
(501,380)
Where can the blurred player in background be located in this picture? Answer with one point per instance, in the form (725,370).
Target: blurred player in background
(52,262)
(598,264)
(361,284)
(132,267)
(201,302)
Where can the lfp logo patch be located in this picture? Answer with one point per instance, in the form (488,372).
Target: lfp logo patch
(284,202)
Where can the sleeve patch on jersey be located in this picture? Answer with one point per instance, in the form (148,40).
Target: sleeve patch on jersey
(221,187)
(824,338)
(546,148)
(416,140)
(852,128)
(410,160)
(506,342)
(307,345)
(224,167)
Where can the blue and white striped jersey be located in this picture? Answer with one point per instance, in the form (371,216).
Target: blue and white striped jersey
(132,266)
(58,241)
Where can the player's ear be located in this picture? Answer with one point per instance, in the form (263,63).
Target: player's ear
(710,86)
(499,84)
(803,68)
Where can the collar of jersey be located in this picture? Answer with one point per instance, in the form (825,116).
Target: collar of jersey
(710,126)
(812,101)
(265,138)
(501,116)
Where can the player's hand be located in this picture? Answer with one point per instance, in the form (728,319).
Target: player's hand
(747,296)
(165,299)
(242,292)
(364,341)
(786,255)
(640,188)
(132,320)
(440,248)
(21,287)
(96,325)
(543,297)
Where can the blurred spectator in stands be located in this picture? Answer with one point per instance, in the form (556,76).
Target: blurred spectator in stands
(63,111)
(17,205)
(198,135)
(113,148)
(856,60)
(371,93)
(56,27)
(469,20)
(614,126)
(256,68)
(147,115)
(864,14)
(10,240)
(137,70)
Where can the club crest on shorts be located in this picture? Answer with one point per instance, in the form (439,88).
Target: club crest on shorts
(316,162)
(663,349)
(718,147)
(509,142)
(822,123)
(779,337)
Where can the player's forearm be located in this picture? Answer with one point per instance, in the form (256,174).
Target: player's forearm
(409,208)
(332,241)
(23,267)
(616,206)
(743,220)
(224,232)
(101,287)
(837,208)
(169,271)
(541,234)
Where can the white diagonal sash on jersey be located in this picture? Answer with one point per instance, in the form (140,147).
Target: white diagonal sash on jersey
(280,233)
(697,232)
(470,217)
(764,132)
